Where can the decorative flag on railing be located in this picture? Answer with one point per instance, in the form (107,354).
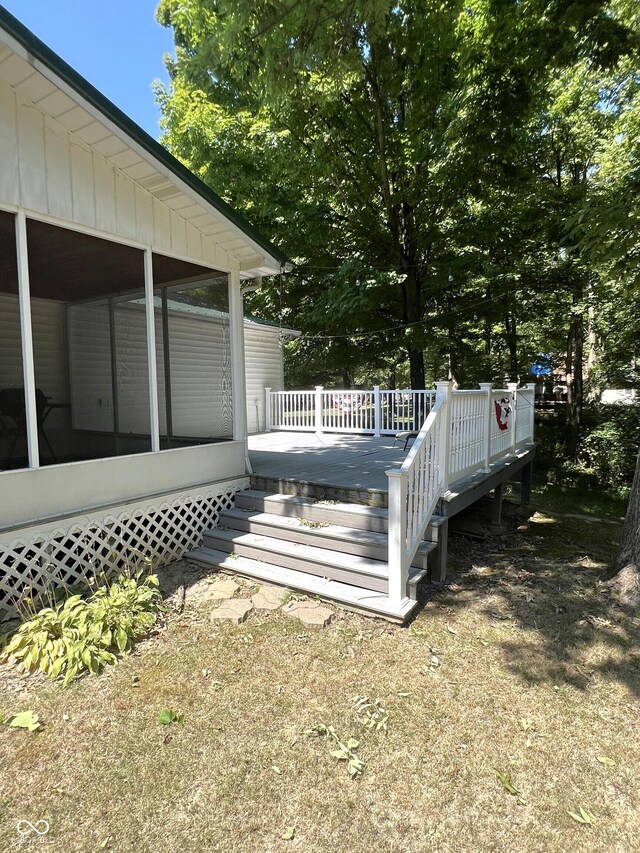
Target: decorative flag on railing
(504,407)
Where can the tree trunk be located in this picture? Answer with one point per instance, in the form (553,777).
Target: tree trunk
(416,368)
(625,579)
(575,355)
(512,345)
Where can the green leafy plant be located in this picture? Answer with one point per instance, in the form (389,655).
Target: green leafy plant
(344,751)
(83,634)
(582,817)
(168,716)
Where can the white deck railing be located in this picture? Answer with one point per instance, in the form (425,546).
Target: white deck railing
(461,432)
(374,412)
(465,432)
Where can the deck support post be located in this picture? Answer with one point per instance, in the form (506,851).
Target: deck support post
(486,388)
(397,554)
(319,408)
(28,369)
(496,507)
(443,392)
(513,388)
(267,410)
(376,410)
(525,487)
(439,570)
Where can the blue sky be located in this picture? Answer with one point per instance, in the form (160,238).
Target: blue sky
(115,44)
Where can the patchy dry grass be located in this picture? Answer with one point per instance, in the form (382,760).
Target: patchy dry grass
(520,664)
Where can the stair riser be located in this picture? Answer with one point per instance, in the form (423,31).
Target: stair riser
(298,564)
(313,512)
(307,537)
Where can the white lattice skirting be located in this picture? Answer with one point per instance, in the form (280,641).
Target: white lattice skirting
(68,552)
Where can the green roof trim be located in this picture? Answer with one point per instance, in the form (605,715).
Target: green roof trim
(38,49)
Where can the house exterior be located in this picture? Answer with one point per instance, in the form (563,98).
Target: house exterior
(124,410)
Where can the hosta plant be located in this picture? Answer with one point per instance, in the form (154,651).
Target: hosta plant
(83,634)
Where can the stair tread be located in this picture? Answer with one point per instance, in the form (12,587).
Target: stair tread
(337,591)
(326,556)
(334,531)
(298,501)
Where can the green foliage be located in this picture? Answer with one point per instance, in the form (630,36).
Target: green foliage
(345,751)
(610,445)
(83,634)
(168,716)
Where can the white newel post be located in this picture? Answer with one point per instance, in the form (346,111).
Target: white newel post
(443,392)
(513,388)
(377,414)
(267,409)
(397,537)
(486,388)
(319,408)
(531,388)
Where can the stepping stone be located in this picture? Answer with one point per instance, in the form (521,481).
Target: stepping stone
(235,610)
(268,598)
(310,613)
(219,590)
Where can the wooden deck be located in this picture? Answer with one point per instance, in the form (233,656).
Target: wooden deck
(342,467)
(352,468)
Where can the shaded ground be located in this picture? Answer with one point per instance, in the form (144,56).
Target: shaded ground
(520,664)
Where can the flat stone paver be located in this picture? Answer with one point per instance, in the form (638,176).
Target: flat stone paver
(268,598)
(310,613)
(235,610)
(219,590)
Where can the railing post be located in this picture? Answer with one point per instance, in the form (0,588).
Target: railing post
(532,409)
(397,536)
(443,392)
(486,387)
(267,410)
(513,388)
(377,413)
(319,408)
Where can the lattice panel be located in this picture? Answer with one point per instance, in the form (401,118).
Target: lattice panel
(69,556)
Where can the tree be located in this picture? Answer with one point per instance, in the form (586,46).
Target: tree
(365,132)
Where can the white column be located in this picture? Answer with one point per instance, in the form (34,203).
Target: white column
(28,371)
(151,350)
(238,382)
(319,408)
(377,413)
(513,389)
(397,536)
(443,392)
(486,388)
(267,410)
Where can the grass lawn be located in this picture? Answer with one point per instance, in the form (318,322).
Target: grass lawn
(521,663)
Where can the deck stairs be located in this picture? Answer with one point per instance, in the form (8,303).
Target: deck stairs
(327,548)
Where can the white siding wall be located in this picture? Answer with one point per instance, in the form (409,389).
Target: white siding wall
(263,364)
(47,168)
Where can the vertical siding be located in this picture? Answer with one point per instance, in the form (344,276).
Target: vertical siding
(47,168)
(264,369)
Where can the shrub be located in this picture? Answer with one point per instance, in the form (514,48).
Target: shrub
(83,634)
(609,447)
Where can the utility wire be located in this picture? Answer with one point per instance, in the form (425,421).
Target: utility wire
(458,312)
